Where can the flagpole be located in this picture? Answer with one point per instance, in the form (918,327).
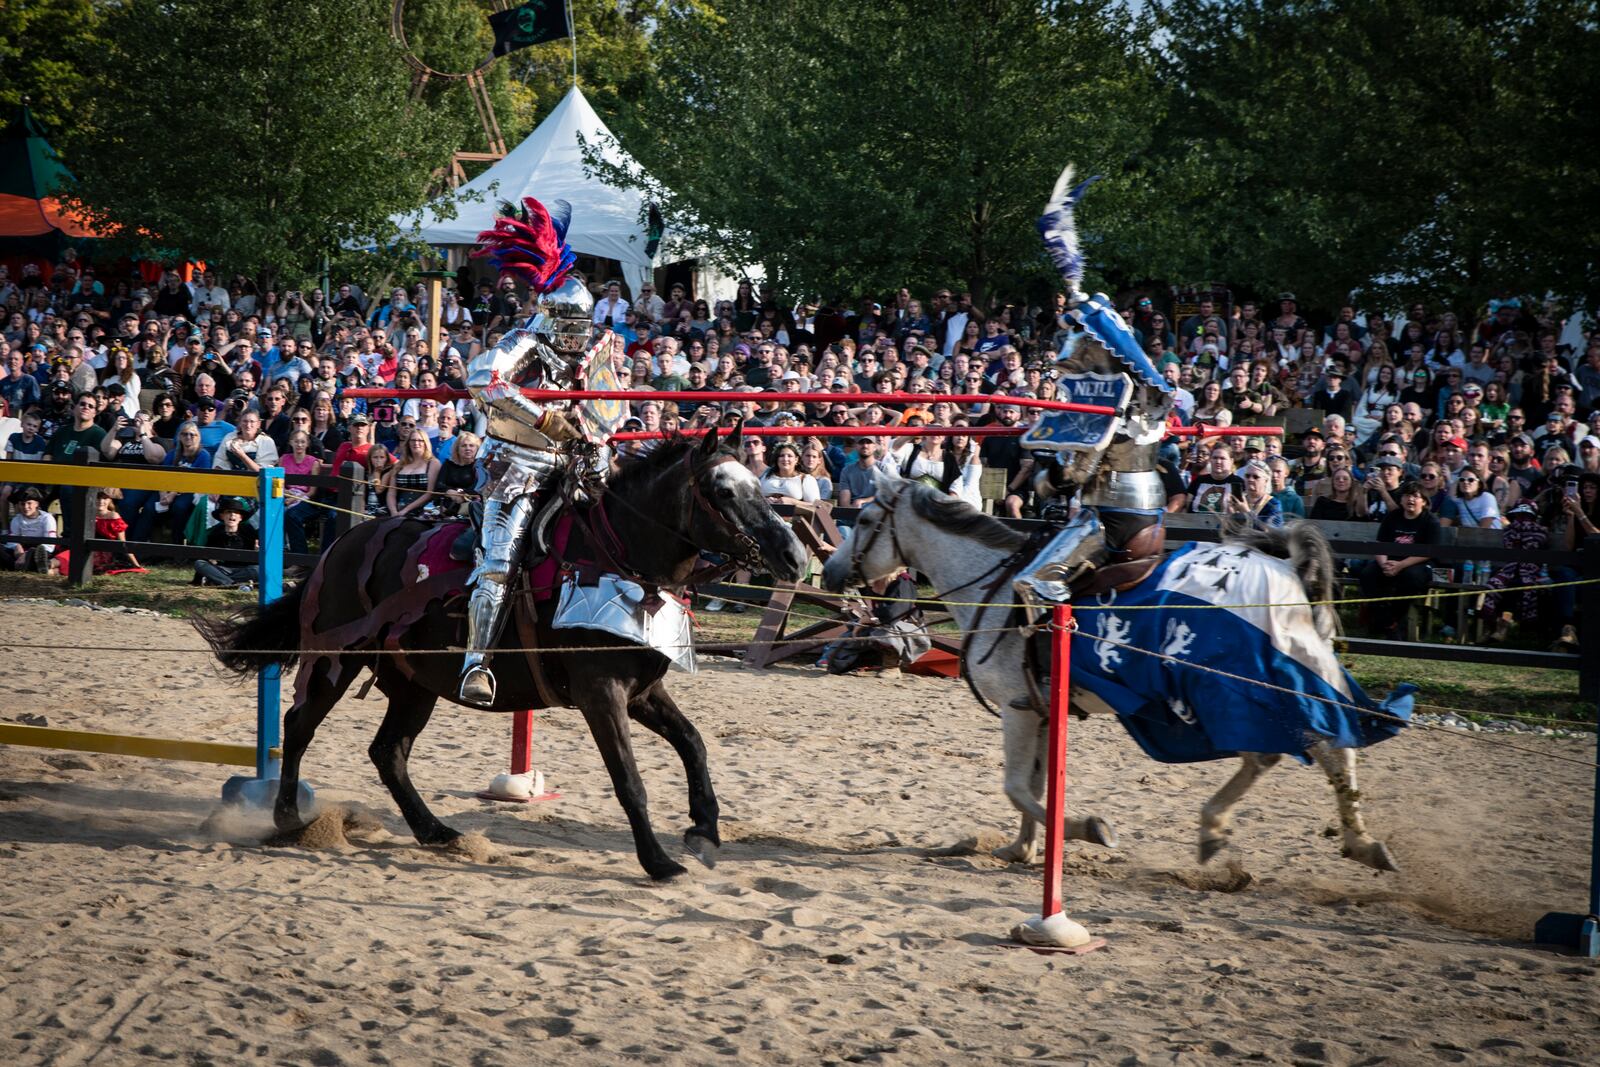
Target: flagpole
(572,31)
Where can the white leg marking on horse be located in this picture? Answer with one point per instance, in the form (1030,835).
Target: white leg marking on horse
(1339,764)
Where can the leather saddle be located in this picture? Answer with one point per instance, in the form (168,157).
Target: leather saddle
(1123,568)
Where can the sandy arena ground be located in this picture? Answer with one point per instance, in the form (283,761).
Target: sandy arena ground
(856,915)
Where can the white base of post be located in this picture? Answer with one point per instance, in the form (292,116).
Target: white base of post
(1051,931)
(518,788)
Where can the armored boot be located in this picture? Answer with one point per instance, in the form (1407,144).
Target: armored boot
(485,610)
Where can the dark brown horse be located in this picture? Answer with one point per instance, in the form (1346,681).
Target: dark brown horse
(379,599)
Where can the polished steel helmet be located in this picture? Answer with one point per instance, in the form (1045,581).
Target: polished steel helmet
(567,316)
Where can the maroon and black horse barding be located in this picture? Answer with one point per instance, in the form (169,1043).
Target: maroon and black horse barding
(385,597)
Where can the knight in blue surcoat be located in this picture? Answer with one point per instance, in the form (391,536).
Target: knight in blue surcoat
(1117,535)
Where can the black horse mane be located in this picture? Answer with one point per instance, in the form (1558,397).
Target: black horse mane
(959,517)
(633,473)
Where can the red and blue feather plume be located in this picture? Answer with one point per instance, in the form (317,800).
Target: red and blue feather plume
(531,243)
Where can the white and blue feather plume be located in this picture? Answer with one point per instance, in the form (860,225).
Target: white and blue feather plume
(1096,314)
(1059,234)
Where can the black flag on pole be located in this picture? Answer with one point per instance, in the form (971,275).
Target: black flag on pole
(530,23)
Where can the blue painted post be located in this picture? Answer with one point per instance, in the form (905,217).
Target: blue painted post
(269,589)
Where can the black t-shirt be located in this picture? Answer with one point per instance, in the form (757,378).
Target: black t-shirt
(1396,528)
(130,450)
(1004,453)
(1211,494)
(219,537)
(1171,482)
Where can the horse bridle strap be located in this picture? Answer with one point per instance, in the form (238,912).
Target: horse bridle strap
(748,552)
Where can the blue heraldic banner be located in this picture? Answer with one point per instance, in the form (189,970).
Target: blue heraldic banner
(1181,714)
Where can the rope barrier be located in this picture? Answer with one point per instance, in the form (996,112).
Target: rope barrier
(935,601)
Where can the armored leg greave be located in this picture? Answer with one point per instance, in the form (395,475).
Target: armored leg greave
(1127,502)
(505,529)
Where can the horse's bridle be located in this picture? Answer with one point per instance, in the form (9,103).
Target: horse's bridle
(747,551)
(859,548)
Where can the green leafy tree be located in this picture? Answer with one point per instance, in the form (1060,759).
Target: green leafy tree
(42,43)
(852,146)
(262,135)
(1397,148)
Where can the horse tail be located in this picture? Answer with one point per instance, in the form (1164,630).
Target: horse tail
(248,641)
(1307,550)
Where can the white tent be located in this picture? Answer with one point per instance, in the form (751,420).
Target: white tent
(606,221)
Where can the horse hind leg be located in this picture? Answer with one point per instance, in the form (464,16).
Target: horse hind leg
(320,683)
(1339,764)
(658,712)
(410,708)
(1216,812)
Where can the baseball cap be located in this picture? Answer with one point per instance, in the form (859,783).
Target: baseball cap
(61,387)
(116,389)
(1389,461)
(700,367)
(1287,296)
(1589,441)
(1253,444)
(1313,432)
(1457,442)
(633,422)
(1526,439)
(358,419)
(1472,389)
(791,376)
(206,404)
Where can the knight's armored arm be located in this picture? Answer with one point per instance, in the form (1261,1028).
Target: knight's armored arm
(493,377)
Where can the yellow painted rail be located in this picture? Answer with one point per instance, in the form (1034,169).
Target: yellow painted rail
(165,479)
(129,745)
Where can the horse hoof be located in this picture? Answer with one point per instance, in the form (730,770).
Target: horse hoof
(1209,847)
(1098,831)
(701,847)
(439,837)
(1376,855)
(1013,854)
(668,872)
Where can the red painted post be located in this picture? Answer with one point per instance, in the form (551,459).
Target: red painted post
(522,742)
(1056,801)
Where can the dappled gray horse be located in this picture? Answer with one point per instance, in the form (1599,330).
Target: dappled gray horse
(1184,691)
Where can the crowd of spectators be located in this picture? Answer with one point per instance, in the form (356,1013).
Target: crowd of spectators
(1415,424)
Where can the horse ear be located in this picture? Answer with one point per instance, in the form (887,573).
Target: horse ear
(708,442)
(735,440)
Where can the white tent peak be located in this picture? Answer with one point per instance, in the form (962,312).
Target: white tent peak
(548,165)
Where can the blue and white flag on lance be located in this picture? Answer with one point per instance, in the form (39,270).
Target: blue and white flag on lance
(1261,628)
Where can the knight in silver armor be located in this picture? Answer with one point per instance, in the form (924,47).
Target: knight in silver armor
(1109,459)
(528,444)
